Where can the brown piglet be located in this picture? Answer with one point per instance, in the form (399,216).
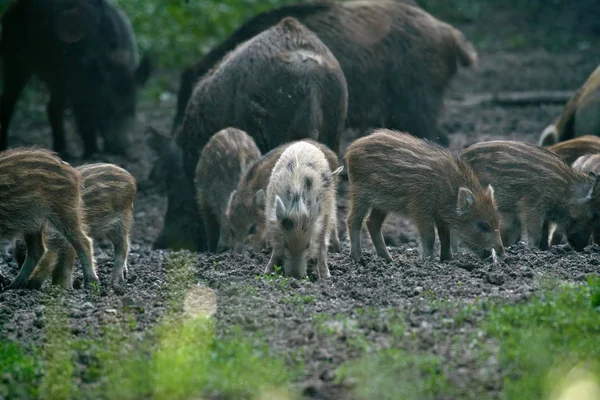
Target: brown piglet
(535,189)
(38,189)
(392,171)
(108,195)
(570,150)
(222,162)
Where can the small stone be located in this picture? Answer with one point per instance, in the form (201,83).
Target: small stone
(111,311)
(38,323)
(494,278)
(87,306)
(417,291)
(327,375)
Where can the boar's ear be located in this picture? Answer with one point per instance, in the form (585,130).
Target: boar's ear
(465,201)
(144,70)
(259,198)
(279,208)
(71,25)
(228,209)
(338,170)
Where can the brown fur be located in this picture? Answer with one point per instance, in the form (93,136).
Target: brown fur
(536,188)
(300,210)
(85,52)
(396,172)
(398,60)
(246,210)
(580,116)
(572,149)
(589,163)
(222,162)
(108,195)
(37,189)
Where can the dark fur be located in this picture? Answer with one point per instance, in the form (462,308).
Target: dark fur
(536,188)
(222,162)
(38,188)
(85,54)
(396,172)
(397,60)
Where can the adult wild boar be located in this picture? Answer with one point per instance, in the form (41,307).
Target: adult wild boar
(581,115)
(86,54)
(282,85)
(398,60)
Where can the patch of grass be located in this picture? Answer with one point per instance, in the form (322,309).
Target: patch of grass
(395,374)
(558,329)
(19,372)
(299,299)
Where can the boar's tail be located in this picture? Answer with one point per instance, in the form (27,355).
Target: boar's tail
(467,55)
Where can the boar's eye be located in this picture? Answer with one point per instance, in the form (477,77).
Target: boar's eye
(252,230)
(484,227)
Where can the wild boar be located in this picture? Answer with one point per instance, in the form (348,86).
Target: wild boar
(246,209)
(287,84)
(38,189)
(580,116)
(392,171)
(86,54)
(223,160)
(108,193)
(181,229)
(570,150)
(535,187)
(398,60)
(300,209)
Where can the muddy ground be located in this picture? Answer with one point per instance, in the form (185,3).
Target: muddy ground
(407,285)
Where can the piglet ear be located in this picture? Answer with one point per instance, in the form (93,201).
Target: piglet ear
(259,198)
(490,191)
(465,201)
(279,208)
(338,170)
(71,25)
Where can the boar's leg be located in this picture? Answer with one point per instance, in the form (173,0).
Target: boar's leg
(119,271)
(35,251)
(63,272)
(444,235)
(71,228)
(453,243)
(374,223)
(356,215)
(596,234)
(275,258)
(322,267)
(534,226)
(426,228)
(86,129)
(212,227)
(543,244)
(334,238)
(43,270)
(511,228)
(56,115)
(15,78)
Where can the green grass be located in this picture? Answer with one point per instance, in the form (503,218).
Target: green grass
(19,372)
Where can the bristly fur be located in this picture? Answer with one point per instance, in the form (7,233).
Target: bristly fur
(300,210)
(394,172)
(38,188)
(572,149)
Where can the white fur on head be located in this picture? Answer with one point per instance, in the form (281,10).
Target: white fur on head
(228,209)
(465,201)
(279,208)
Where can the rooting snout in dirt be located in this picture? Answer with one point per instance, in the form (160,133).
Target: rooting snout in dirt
(534,189)
(222,162)
(396,172)
(38,189)
(301,210)
(246,209)
(108,195)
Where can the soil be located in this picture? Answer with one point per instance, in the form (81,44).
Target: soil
(407,285)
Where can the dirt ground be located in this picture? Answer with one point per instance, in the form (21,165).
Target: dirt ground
(407,285)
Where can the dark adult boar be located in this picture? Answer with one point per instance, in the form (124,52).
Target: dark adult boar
(38,188)
(246,209)
(396,172)
(86,54)
(534,189)
(570,150)
(281,85)
(581,115)
(222,162)
(398,60)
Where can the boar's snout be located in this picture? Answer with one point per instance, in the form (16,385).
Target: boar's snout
(579,240)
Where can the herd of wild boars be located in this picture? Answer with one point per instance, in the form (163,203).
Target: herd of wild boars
(255,158)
